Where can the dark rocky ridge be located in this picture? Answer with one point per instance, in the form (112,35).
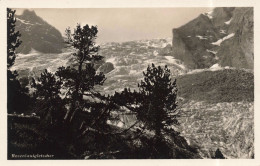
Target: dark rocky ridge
(106,67)
(37,34)
(192,42)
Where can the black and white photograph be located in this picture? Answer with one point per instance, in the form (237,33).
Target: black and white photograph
(130,83)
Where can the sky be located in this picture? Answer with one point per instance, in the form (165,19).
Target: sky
(121,24)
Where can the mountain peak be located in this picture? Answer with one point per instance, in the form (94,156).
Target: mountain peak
(37,34)
(30,15)
(28,12)
(197,43)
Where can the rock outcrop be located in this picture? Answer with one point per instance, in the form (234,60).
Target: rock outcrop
(239,52)
(106,67)
(37,34)
(223,36)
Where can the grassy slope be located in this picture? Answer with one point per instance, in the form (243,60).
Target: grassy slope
(217,86)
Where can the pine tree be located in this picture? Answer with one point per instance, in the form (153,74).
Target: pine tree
(13,40)
(81,79)
(157,109)
(218,155)
(17,98)
(49,104)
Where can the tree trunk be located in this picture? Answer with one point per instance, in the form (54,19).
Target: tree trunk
(157,132)
(69,113)
(75,96)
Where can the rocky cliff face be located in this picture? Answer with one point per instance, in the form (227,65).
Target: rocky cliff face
(37,34)
(223,36)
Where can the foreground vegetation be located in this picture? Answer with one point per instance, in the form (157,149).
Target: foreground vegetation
(37,139)
(73,117)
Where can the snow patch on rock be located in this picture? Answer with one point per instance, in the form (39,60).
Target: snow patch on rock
(215,67)
(209,14)
(213,52)
(223,39)
(201,37)
(228,22)
(23,21)
(223,31)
